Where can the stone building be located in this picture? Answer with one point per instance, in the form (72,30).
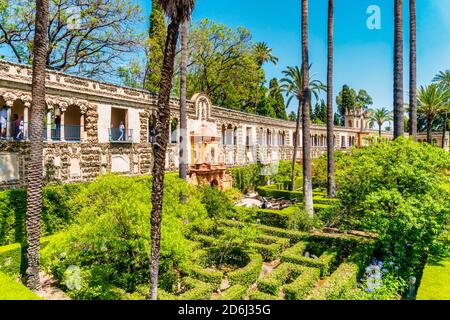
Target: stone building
(92,127)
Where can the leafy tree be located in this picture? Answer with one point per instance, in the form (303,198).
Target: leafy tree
(155,46)
(223,65)
(396,189)
(35,167)
(379,117)
(277,95)
(345,100)
(84,37)
(348,99)
(363,100)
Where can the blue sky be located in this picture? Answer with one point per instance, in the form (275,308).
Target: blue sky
(363,57)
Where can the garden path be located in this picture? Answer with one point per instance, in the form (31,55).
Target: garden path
(49,290)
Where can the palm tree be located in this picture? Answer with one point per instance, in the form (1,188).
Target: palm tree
(379,117)
(178,12)
(183,112)
(292,85)
(263,54)
(431,100)
(442,79)
(35,167)
(306,115)
(412,71)
(399,126)
(330,113)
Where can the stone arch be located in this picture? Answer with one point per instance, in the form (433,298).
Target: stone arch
(202,105)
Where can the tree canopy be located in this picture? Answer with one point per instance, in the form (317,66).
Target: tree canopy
(86,39)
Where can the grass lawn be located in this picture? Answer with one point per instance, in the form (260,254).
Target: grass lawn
(435,283)
(12,290)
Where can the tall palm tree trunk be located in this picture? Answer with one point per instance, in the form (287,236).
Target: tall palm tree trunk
(330,113)
(306,121)
(398,70)
(379,130)
(183,114)
(430,131)
(444,130)
(412,72)
(159,152)
(296,143)
(35,167)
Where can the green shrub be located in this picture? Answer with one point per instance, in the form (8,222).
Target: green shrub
(248,274)
(342,280)
(324,262)
(216,202)
(396,189)
(271,192)
(12,290)
(302,285)
(110,240)
(270,247)
(57,211)
(247,178)
(258,295)
(271,283)
(236,292)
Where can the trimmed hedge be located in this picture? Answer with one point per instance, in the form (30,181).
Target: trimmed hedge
(274,280)
(12,257)
(271,191)
(295,255)
(270,247)
(12,290)
(293,235)
(342,280)
(236,292)
(56,211)
(248,274)
(197,290)
(213,277)
(300,287)
(258,295)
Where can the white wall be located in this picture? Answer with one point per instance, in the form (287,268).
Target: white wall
(104,122)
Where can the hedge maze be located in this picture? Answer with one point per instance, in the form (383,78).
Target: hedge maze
(299,265)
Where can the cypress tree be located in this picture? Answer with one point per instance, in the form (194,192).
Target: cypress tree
(156,43)
(279,106)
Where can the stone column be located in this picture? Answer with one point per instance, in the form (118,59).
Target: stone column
(8,119)
(82,133)
(62,125)
(26,120)
(49,125)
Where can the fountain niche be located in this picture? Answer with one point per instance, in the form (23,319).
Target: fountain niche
(207,158)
